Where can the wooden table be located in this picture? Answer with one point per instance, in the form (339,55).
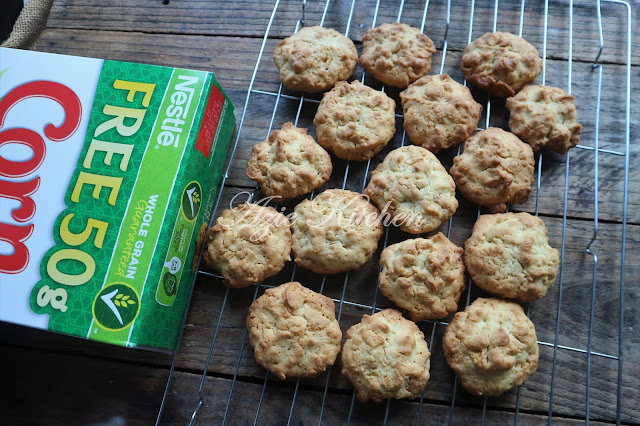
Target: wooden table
(54,379)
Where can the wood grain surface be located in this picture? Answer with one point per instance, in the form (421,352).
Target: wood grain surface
(57,379)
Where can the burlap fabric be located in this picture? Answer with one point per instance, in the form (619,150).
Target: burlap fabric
(29,24)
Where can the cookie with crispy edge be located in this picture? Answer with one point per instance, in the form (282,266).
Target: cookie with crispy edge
(336,231)
(491,346)
(495,168)
(202,236)
(314,59)
(396,54)
(439,112)
(355,121)
(293,331)
(386,356)
(508,254)
(289,163)
(413,190)
(544,116)
(425,276)
(248,244)
(500,63)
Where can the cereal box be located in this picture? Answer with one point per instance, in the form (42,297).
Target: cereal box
(108,172)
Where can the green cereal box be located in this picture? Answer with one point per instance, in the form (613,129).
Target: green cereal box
(108,172)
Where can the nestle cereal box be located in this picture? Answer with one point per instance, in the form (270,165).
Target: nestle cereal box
(108,171)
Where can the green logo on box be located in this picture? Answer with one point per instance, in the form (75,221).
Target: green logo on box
(170,283)
(116,306)
(191,200)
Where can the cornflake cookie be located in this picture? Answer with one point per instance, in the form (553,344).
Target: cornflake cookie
(439,112)
(293,331)
(495,168)
(248,244)
(544,116)
(314,58)
(413,189)
(336,232)
(202,236)
(289,163)
(386,356)
(423,276)
(491,346)
(509,255)
(355,121)
(396,54)
(500,63)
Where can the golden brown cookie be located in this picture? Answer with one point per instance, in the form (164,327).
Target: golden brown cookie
(335,232)
(495,168)
(423,276)
(491,346)
(413,190)
(544,116)
(314,58)
(500,63)
(202,236)
(293,331)
(509,255)
(439,112)
(396,54)
(289,163)
(248,244)
(355,121)
(386,356)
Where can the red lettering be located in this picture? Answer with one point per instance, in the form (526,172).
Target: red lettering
(16,236)
(14,169)
(50,90)
(21,191)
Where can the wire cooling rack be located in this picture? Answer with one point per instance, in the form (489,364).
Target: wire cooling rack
(573,366)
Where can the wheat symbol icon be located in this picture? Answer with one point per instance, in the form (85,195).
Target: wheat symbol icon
(194,197)
(120,300)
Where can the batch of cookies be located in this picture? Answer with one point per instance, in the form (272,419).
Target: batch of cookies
(491,345)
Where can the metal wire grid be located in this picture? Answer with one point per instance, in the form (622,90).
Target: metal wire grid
(373,308)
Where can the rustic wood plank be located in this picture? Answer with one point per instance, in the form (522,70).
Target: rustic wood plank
(71,389)
(234,74)
(276,407)
(61,389)
(232,59)
(250,19)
